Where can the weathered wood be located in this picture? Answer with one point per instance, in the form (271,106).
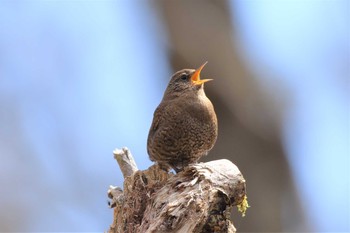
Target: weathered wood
(198,199)
(126,161)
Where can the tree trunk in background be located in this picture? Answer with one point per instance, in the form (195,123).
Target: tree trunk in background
(249,119)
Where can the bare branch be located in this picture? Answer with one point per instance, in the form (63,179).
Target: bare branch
(126,161)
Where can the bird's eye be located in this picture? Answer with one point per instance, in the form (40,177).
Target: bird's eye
(183,77)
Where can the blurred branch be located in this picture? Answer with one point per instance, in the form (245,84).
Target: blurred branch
(198,199)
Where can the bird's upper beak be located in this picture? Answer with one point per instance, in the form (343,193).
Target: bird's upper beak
(196,80)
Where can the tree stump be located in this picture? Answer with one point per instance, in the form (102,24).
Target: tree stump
(197,199)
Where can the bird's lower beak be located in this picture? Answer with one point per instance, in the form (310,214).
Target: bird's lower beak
(196,80)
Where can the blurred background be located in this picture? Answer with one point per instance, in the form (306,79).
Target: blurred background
(81,78)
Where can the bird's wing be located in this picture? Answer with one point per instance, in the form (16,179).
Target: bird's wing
(157,120)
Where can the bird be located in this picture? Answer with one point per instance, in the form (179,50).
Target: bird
(184,126)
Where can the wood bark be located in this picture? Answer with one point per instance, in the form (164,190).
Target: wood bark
(197,199)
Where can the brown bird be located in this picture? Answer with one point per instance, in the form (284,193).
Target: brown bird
(184,126)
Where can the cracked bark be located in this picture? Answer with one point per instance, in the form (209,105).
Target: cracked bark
(197,199)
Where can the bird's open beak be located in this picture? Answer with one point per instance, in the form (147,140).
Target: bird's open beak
(196,79)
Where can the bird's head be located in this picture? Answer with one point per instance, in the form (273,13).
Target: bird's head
(185,81)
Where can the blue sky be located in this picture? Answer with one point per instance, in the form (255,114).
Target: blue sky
(72,72)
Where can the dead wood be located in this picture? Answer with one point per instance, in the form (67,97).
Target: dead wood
(198,199)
